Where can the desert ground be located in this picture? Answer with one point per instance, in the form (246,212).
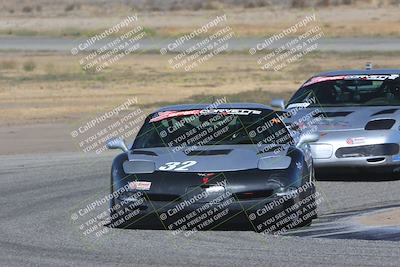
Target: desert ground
(48,94)
(86,18)
(50,87)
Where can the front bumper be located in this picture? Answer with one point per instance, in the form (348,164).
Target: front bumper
(227,212)
(358,149)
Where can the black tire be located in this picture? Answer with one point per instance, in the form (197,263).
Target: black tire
(116,169)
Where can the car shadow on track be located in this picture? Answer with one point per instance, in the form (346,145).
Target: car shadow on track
(354,175)
(154,224)
(246,228)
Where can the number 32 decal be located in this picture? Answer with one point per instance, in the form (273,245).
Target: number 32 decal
(177,165)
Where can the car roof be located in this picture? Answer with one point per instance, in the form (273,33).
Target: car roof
(211,106)
(359,72)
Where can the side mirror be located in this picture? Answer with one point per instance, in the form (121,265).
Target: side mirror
(278,103)
(117,143)
(308,138)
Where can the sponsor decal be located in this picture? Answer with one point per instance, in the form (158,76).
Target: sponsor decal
(372,77)
(298,105)
(230,111)
(323,79)
(205,174)
(355,140)
(172,114)
(140,185)
(351,77)
(205,177)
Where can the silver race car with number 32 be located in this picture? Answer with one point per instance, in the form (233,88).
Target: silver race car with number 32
(199,167)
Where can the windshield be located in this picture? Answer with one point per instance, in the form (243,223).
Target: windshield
(350,90)
(217,127)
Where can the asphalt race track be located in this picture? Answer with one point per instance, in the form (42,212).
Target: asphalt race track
(341,44)
(40,193)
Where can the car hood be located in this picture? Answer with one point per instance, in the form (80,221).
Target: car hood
(208,158)
(343,118)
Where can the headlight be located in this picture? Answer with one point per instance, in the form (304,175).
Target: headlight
(274,162)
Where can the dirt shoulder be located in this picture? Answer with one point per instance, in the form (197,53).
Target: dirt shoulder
(56,90)
(36,138)
(385,218)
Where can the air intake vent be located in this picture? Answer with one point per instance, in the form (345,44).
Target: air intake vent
(333,114)
(214,152)
(255,194)
(380,124)
(143,152)
(386,111)
(368,151)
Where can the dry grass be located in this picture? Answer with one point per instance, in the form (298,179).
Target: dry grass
(7,64)
(344,21)
(57,90)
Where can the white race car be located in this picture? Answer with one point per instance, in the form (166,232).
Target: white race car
(356,112)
